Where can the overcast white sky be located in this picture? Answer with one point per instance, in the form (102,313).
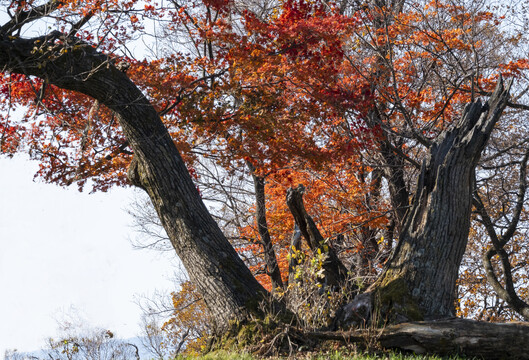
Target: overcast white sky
(62,250)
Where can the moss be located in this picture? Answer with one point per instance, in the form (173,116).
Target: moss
(220,355)
(250,333)
(242,335)
(252,305)
(394,303)
(341,354)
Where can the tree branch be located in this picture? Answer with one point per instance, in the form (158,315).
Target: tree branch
(507,292)
(23,17)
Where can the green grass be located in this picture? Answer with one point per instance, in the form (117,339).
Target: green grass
(223,355)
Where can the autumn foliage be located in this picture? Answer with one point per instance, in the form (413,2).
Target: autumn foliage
(307,92)
(187,327)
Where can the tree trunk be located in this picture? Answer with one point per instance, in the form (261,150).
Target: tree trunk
(293,260)
(393,169)
(369,249)
(335,272)
(272,268)
(427,257)
(227,286)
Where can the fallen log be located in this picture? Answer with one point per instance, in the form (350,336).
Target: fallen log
(445,337)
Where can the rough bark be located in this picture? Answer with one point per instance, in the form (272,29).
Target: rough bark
(335,271)
(295,246)
(435,232)
(272,268)
(482,340)
(227,286)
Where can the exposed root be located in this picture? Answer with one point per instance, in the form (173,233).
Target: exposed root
(442,337)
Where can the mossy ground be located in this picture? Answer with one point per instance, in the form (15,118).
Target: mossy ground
(336,355)
(270,339)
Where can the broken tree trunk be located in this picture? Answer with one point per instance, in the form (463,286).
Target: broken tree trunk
(424,266)
(334,271)
(272,267)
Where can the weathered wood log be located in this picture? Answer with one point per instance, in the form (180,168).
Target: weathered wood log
(460,336)
(445,337)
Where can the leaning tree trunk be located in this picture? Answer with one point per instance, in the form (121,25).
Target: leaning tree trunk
(272,267)
(227,286)
(420,278)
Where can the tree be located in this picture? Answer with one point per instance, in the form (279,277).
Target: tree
(69,63)
(396,42)
(394,97)
(404,116)
(175,323)
(415,122)
(76,341)
(99,345)
(438,221)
